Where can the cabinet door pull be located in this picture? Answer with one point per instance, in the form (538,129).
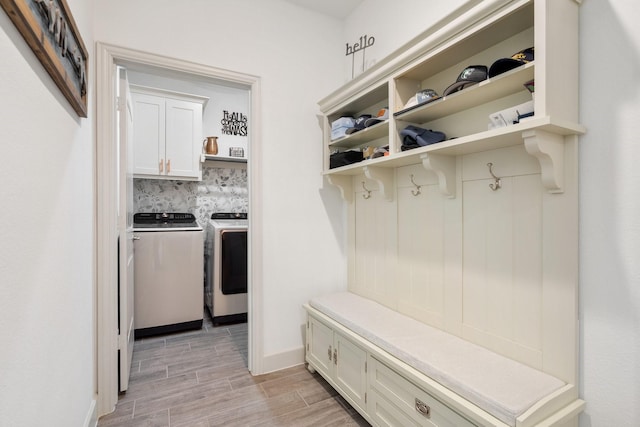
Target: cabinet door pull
(423,408)
(329,354)
(335,356)
(161,165)
(168,165)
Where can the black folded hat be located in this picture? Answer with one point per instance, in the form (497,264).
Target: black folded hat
(503,65)
(471,75)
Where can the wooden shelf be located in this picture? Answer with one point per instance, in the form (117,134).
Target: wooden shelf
(486,91)
(216,158)
(355,105)
(536,133)
(363,136)
(489,140)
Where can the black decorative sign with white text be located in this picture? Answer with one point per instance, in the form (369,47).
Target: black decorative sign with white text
(234,123)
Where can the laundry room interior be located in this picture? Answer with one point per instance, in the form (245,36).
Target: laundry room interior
(185,145)
(223,187)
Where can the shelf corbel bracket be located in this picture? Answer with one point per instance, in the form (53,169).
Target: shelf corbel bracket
(344,184)
(445,169)
(548,148)
(383,177)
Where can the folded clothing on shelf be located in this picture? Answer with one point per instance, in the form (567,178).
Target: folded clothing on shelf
(339,127)
(345,158)
(375,152)
(414,137)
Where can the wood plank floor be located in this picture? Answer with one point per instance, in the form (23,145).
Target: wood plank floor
(200,379)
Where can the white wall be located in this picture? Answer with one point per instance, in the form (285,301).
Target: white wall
(293,51)
(46,241)
(392,24)
(610,212)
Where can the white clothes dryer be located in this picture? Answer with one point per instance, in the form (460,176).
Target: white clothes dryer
(226,257)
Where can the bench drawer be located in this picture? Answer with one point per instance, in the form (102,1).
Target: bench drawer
(395,401)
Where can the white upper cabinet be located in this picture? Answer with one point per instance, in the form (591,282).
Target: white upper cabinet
(167,134)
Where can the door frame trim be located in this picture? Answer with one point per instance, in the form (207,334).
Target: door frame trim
(105,228)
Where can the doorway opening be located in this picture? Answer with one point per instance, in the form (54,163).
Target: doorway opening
(109,57)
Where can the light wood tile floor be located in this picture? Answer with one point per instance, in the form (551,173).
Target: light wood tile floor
(200,379)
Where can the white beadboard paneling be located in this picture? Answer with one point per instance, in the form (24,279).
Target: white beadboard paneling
(479,256)
(527,236)
(420,283)
(373,244)
(508,161)
(502,273)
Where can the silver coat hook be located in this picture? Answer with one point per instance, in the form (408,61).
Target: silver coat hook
(366,196)
(417,190)
(497,184)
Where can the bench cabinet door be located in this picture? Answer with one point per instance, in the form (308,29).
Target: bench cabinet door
(320,347)
(350,370)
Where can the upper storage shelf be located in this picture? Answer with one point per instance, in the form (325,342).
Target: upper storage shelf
(484,92)
(479,33)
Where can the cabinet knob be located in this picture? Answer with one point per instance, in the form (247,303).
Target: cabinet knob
(423,408)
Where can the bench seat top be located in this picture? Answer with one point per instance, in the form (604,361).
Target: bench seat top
(501,386)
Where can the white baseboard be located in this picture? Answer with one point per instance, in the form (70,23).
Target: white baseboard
(91,419)
(283,360)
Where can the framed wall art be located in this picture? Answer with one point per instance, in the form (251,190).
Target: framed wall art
(49,29)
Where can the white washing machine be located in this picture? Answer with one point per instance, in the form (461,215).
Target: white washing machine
(225,291)
(168,273)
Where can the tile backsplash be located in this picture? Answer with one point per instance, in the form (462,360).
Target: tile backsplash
(221,190)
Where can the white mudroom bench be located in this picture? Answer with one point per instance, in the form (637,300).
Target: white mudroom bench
(462,256)
(398,371)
